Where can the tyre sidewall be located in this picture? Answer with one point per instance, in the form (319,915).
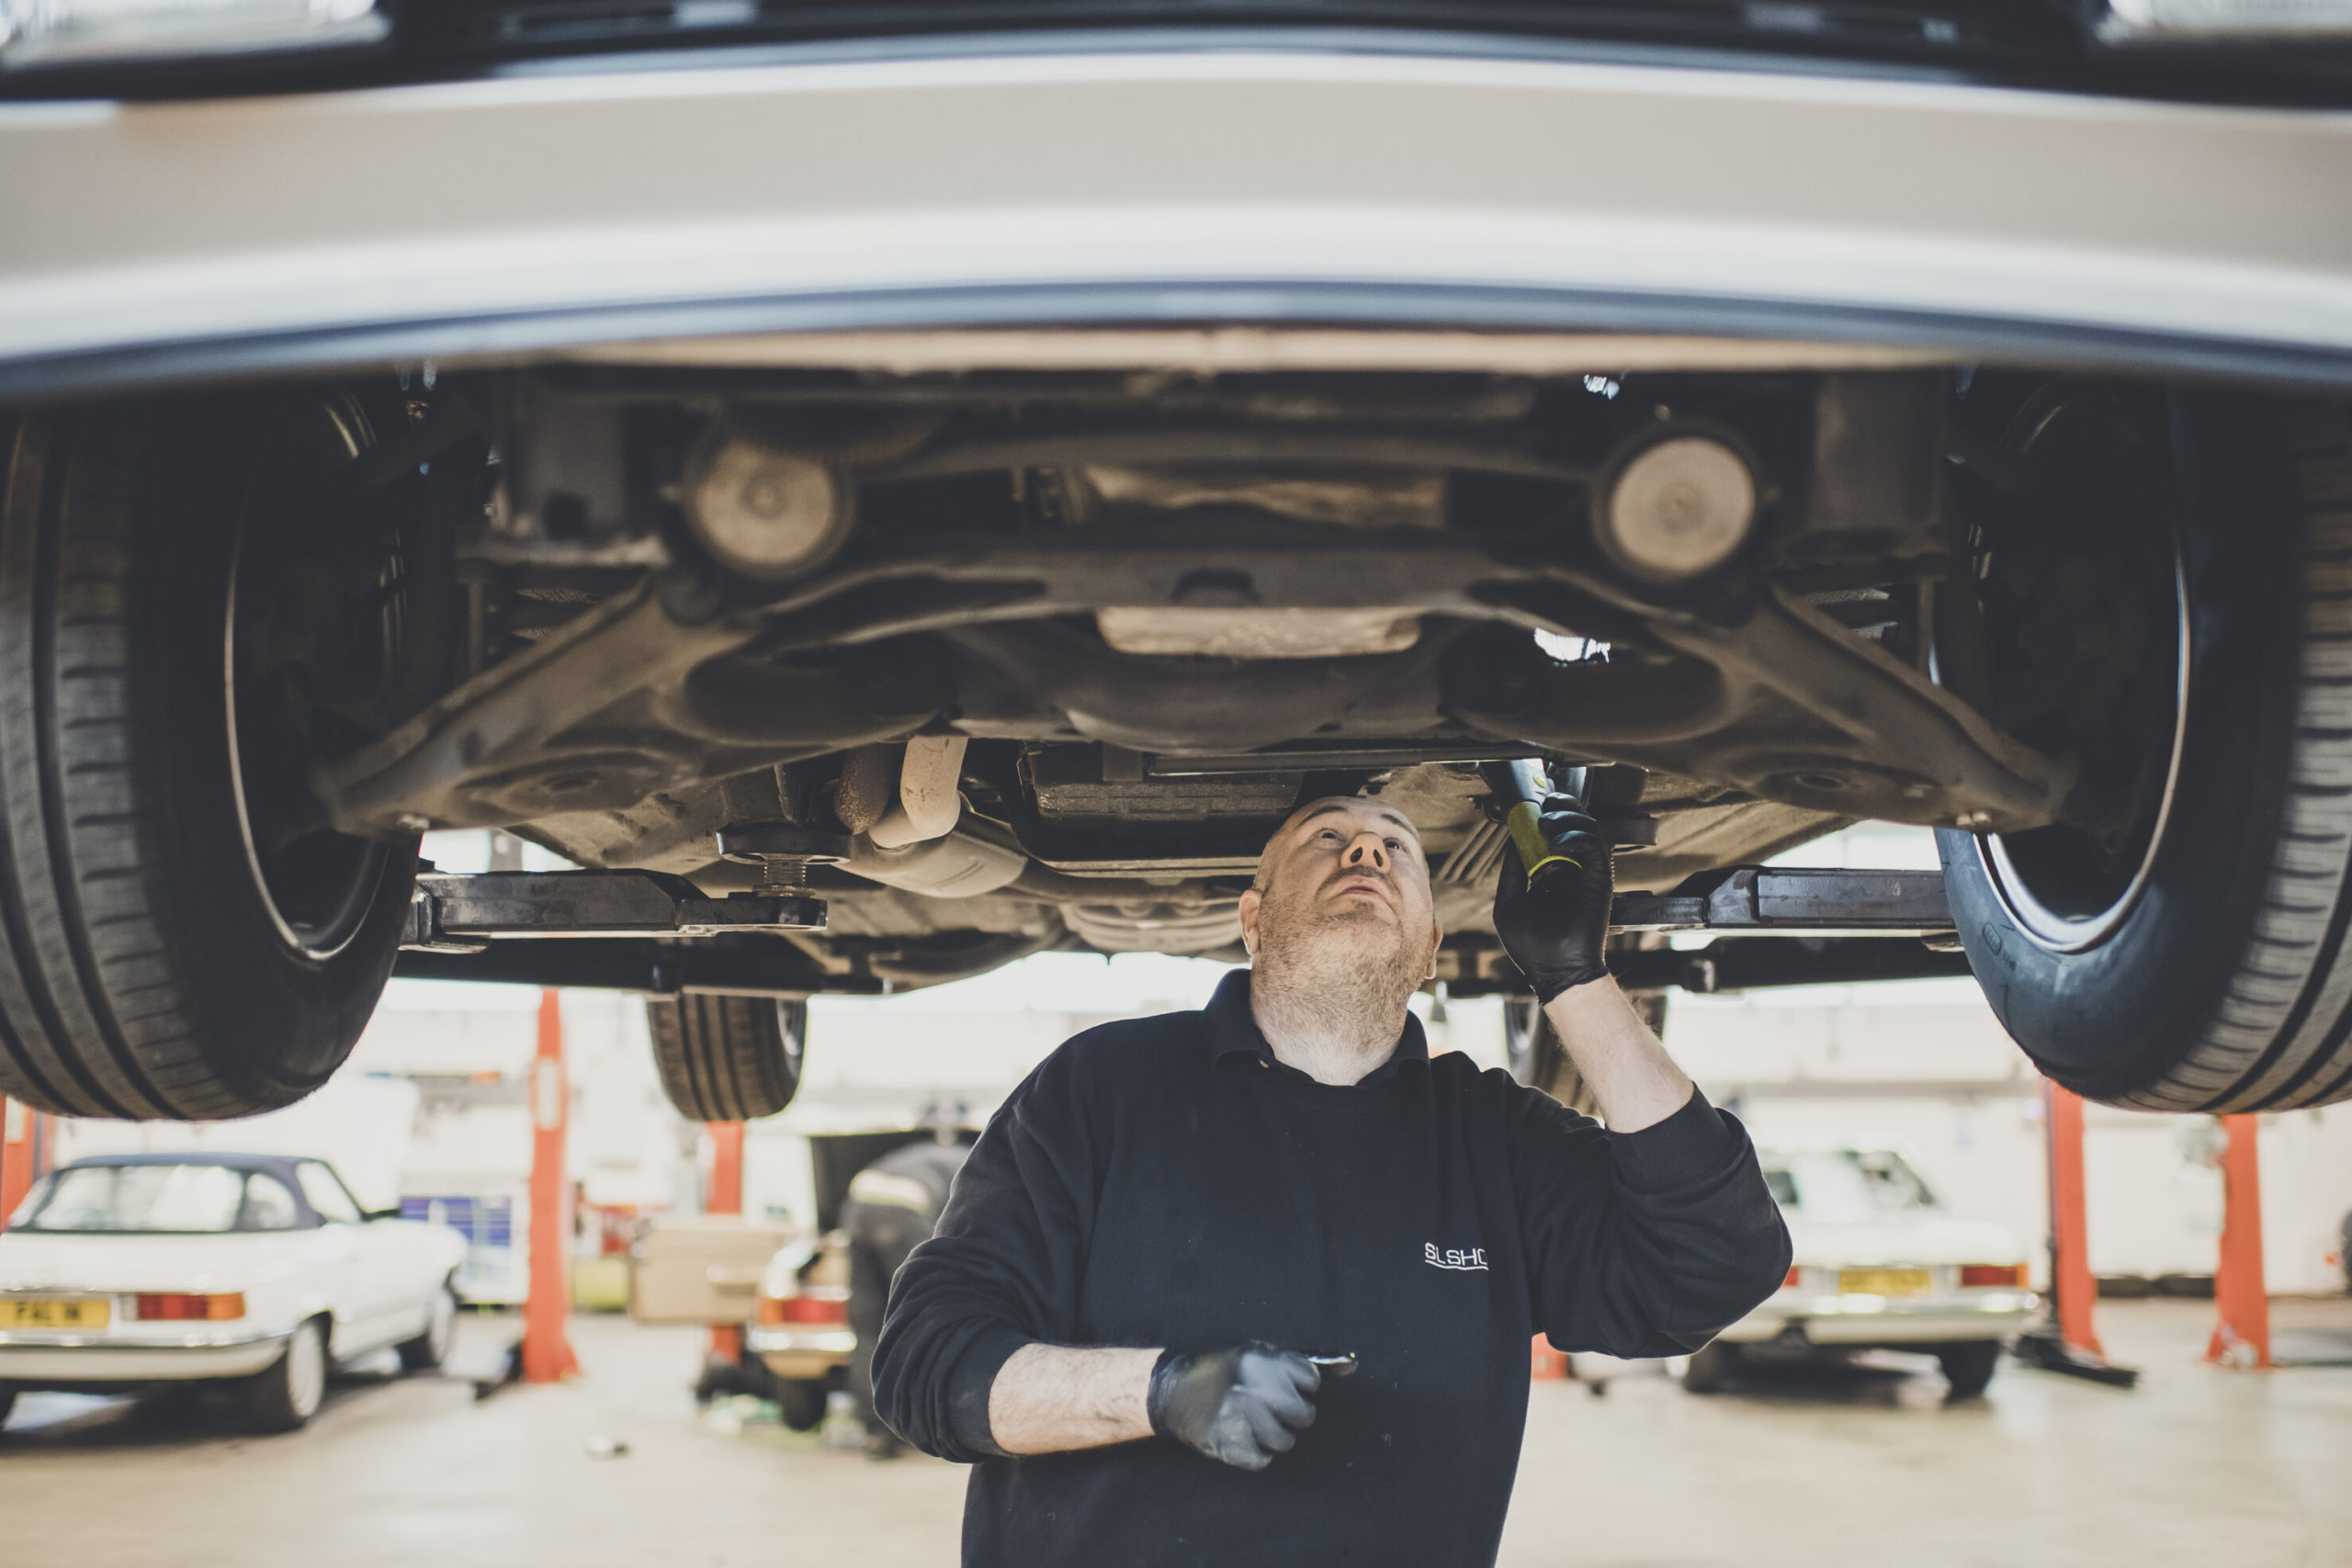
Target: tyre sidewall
(727,1058)
(421,1354)
(276,1022)
(1969,1365)
(800,1403)
(2112,1020)
(271,1394)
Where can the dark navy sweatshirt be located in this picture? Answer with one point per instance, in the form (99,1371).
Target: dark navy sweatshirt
(1165,1182)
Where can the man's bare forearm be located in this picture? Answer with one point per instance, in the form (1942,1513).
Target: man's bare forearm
(1051,1398)
(1633,1079)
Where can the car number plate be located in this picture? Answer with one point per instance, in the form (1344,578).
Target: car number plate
(1886,1281)
(55,1311)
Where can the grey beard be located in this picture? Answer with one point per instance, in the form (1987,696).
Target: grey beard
(1330,997)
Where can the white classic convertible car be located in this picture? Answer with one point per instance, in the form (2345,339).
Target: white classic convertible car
(1880,1264)
(261,1269)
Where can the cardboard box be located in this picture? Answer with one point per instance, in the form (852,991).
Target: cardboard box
(701,1268)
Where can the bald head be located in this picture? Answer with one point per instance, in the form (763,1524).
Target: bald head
(1341,931)
(1344,873)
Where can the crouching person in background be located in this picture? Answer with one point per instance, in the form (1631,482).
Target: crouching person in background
(893,1206)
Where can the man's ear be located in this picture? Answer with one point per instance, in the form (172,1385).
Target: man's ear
(1248,913)
(1437,937)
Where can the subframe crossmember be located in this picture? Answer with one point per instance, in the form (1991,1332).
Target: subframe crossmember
(1765,900)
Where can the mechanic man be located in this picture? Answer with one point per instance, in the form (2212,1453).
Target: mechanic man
(891,1207)
(1173,1214)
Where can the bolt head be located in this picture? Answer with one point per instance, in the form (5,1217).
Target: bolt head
(765,510)
(1678,508)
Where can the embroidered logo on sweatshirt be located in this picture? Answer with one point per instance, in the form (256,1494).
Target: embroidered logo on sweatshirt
(1461,1259)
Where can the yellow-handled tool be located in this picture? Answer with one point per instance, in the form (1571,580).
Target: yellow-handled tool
(1522,785)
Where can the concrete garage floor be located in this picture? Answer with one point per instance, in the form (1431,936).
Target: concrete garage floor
(1861,1466)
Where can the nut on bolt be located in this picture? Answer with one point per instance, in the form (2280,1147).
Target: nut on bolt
(765,509)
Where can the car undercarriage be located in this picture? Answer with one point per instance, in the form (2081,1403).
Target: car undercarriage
(854,680)
(712,622)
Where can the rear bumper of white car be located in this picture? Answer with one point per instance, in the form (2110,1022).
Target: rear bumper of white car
(1439,191)
(48,1358)
(801,1350)
(1879,1320)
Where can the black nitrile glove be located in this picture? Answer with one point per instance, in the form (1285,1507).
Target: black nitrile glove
(1240,1406)
(1558,934)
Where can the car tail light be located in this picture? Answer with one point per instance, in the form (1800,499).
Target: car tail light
(1791,1283)
(2001,1274)
(820,1303)
(179,1307)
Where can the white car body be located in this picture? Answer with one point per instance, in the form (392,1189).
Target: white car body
(1427,197)
(376,1283)
(1921,1245)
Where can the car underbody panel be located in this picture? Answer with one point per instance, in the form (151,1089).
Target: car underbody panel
(1001,661)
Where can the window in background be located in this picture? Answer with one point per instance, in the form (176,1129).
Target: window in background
(180,1198)
(327,1192)
(268,1206)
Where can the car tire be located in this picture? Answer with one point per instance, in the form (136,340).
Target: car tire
(284,1397)
(1709,1368)
(1538,1060)
(2218,977)
(1969,1366)
(177,938)
(727,1058)
(429,1352)
(800,1403)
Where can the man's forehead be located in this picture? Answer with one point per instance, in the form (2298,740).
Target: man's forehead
(1350,806)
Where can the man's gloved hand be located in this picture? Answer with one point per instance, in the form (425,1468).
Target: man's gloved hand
(1558,934)
(1240,1406)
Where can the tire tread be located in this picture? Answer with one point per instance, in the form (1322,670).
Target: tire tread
(723,1058)
(103,1009)
(2282,1043)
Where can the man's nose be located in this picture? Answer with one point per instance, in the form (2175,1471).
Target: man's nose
(1367,848)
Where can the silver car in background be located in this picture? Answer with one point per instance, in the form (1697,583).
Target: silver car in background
(1880,1264)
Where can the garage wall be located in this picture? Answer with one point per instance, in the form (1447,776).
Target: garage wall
(432,1101)
(359,1124)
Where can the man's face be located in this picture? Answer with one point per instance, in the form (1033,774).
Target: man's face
(1345,875)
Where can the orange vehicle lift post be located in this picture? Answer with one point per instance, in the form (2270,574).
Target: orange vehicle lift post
(546,1309)
(17,1130)
(725,1196)
(2067,1341)
(2242,1330)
